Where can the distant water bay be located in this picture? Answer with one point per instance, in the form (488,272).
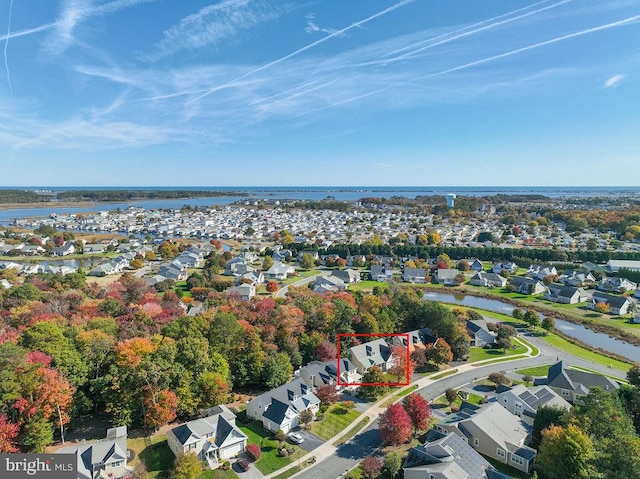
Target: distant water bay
(340,193)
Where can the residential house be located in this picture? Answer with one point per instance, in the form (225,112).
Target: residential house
(490,280)
(355,260)
(91,248)
(173,271)
(414,275)
(280,408)
(213,439)
(418,339)
(64,250)
(252,277)
(617,304)
(637,294)
(447,276)
(565,294)
(245,291)
(282,255)
(636,318)
(500,268)
(280,270)
(526,285)
(328,284)
(348,276)
(313,254)
(475,264)
(616,285)
(447,456)
(493,432)
(524,402)
(573,384)
(380,273)
(106,458)
(540,271)
(373,353)
(577,278)
(479,333)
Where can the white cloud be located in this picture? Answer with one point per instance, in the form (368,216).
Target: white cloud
(613,81)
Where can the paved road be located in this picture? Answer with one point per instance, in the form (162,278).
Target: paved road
(368,441)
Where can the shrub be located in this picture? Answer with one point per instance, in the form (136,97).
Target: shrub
(282,452)
(253,451)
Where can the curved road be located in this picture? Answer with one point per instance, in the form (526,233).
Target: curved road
(368,441)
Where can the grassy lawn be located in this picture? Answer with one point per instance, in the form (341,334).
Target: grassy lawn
(442,401)
(155,453)
(296,469)
(444,374)
(568,347)
(334,420)
(367,286)
(269,460)
(218,474)
(535,371)
(361,424)
(479,354)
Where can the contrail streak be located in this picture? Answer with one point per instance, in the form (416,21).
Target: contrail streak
(305,48)
(465,66)
(6,46)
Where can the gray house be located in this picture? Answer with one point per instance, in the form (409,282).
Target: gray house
(479,333)
(104,458)
(447,276)
(617,304)
(348,276)
(491,280)
(373,353)
(572,384)
(380,273)
(560,293)
(524,402)
(493,432)
(447,456)
(526,285)
(616,285)
(414,275)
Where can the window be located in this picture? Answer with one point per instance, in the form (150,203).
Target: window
(518,404)
(500,453)
(476,441)
(565,392)
(517,460)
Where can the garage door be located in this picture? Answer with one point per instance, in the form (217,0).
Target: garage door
(231,451)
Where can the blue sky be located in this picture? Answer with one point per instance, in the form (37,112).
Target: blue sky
(334,92)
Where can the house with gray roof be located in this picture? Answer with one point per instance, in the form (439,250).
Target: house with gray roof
(526,285)
(492,280)
(617,304)
(565,294)
(103,458)
(616,285)
(447,456)
(577,278)
(328,284)
(447,276)
(509,267)
(478,331)
(380,273)
(493,432)
(573,384)
(348,276)
(414,275)
(280,270)
(280,408)
(245,291)
(373,353)
(524,402)
(213,439)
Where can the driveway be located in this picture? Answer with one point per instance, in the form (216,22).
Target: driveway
(252,473)
(310,442)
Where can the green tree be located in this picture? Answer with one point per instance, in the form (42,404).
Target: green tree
(546,416)
(267,263)
(373,375)
(566,453)
(278,370)
(187,466)
(307,261)
(548,324)
(37,433)
(392,464)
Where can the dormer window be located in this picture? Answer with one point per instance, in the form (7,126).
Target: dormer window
(369,350)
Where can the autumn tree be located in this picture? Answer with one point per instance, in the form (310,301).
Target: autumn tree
(187,466)
(603,308)
(160,407)
(253,451)
(267,263)
(307,261)
(395,425)
(371,467)
(325,351)
(498,378)
(328,394)
(566,453)
(8,435)
(306,417)
(439,352)
(401,367)
(418,410)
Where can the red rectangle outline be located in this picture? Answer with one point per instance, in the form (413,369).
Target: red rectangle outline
(407,376)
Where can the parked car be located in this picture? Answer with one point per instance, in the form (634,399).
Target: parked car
(244,464)
(296,438)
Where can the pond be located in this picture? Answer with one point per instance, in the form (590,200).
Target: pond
(577,331)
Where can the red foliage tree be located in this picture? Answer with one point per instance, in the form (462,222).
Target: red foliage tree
(253,451)
(401,367)
(8,435)
(440,352)
(325,351)
(327,394)
(418,410)
(272,286)
(395,425)
(160,407)
(371,466)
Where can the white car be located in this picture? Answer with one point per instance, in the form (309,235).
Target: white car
(296,438)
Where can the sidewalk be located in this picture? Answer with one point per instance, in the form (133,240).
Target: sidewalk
(328,449)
